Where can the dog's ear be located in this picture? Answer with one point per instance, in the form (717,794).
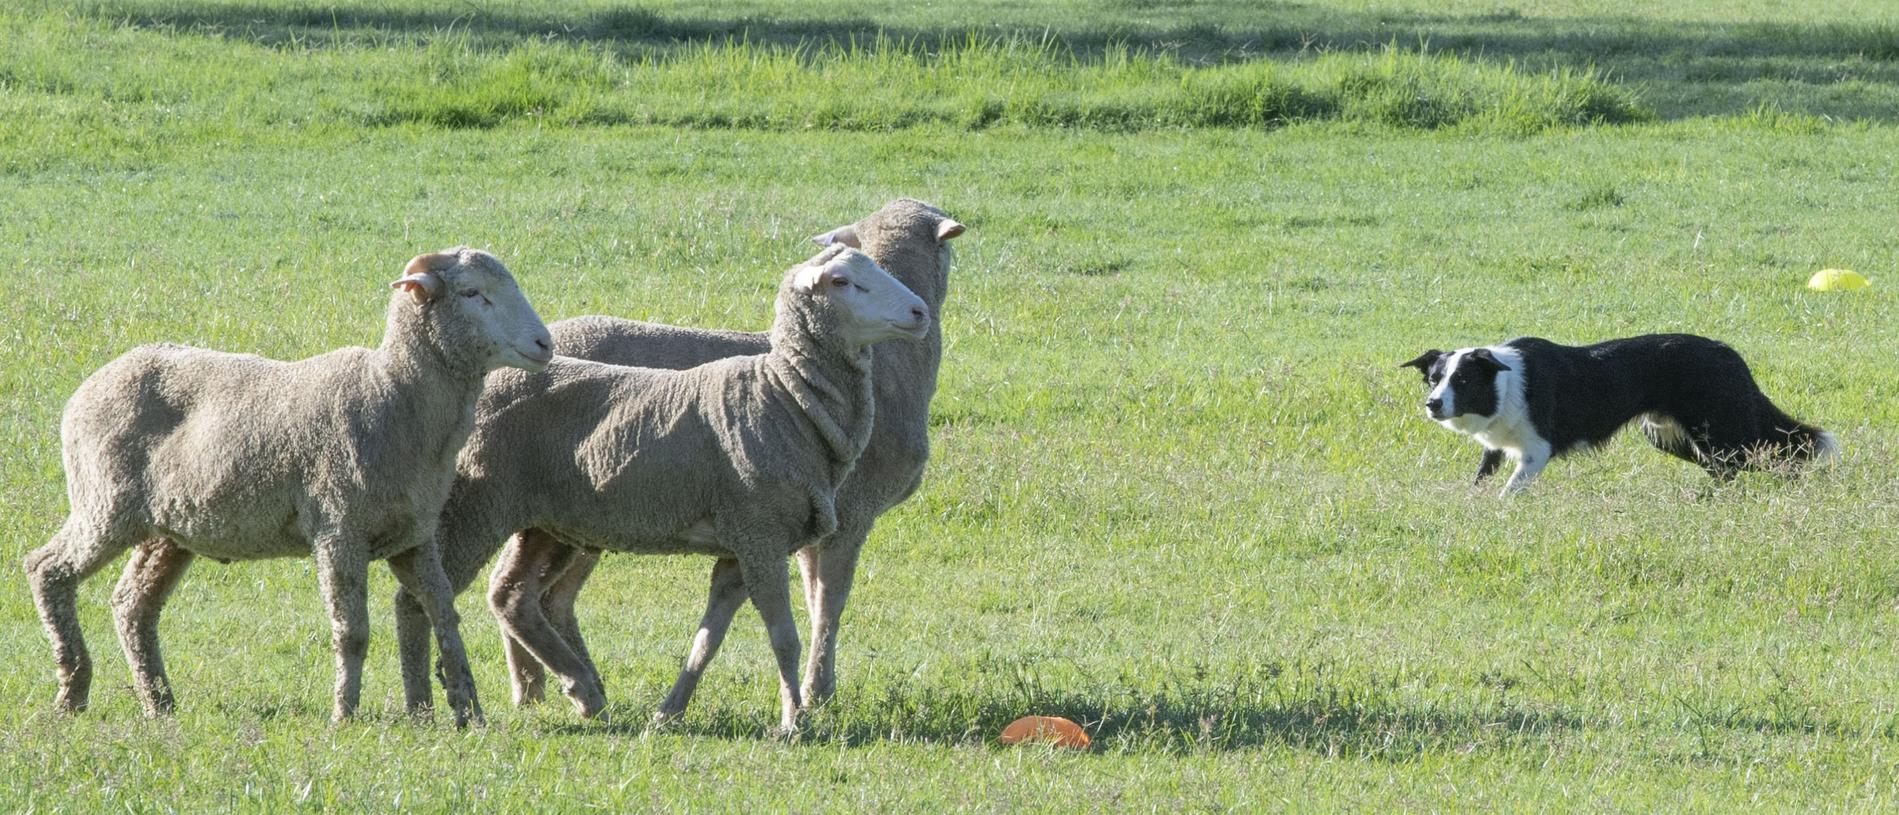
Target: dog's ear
(1424,361)
(1485,358)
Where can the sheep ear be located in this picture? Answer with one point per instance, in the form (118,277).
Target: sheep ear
(420,278)
(422,287)
(948,229)
(815,277)
(846,235)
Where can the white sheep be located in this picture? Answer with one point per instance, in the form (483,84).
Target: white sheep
(347,457)
(909,239)
(740,459)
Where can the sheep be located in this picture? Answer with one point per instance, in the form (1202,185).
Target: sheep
(346,457)
(739,458)
(911,240)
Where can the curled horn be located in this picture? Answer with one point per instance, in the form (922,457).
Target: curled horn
(420,278)
(431,262)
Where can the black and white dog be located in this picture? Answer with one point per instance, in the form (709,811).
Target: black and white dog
(1532,400)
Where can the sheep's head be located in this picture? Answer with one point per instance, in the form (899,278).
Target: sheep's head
(908,236)
(902,218)
(857,297)
(470,290)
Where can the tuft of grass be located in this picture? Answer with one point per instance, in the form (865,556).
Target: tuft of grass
(147,87)
(462,87)
(1600,195)
(983,82)
(1770,116)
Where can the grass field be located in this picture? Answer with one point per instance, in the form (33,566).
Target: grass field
(1181,492)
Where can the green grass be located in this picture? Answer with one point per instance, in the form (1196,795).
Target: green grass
(1181,492)
(220,87)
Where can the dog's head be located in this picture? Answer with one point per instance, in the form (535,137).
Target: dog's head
(1461,383)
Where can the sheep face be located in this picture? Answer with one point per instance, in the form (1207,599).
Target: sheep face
(477,294)
(869,305)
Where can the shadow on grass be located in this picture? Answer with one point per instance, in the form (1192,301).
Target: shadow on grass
(1210,721)
(1848,71)
(1206,720)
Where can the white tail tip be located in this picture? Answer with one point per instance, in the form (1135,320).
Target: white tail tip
(1826,448)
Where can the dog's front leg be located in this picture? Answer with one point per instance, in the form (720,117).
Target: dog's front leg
(1492,460)
(1528,467)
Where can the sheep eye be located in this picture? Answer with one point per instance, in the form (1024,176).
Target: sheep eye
(469,293)
(838,282)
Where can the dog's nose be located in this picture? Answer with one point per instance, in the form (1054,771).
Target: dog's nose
(1434,404)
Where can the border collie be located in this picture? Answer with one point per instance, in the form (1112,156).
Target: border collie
(1532,400)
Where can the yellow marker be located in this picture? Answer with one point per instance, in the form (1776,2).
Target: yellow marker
(1837,280)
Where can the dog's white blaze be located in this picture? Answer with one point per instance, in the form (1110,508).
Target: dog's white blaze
(1442,391)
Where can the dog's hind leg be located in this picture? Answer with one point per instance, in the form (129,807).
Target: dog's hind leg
(1723,446)
(1670,437)
(1491,461)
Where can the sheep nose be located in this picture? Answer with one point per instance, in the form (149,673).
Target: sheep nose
(1434,404)
(543,344)
(917,313)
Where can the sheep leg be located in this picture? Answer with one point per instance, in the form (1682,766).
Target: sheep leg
(343,575)
(558,604)
(808,559)
(420,571)
(55,571)
(765,577)
(828,574)
(412,645)
(514,594)
(151,573)
(723,599)
(526,678)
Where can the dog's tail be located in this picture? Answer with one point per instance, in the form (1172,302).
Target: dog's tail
(1798,440)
